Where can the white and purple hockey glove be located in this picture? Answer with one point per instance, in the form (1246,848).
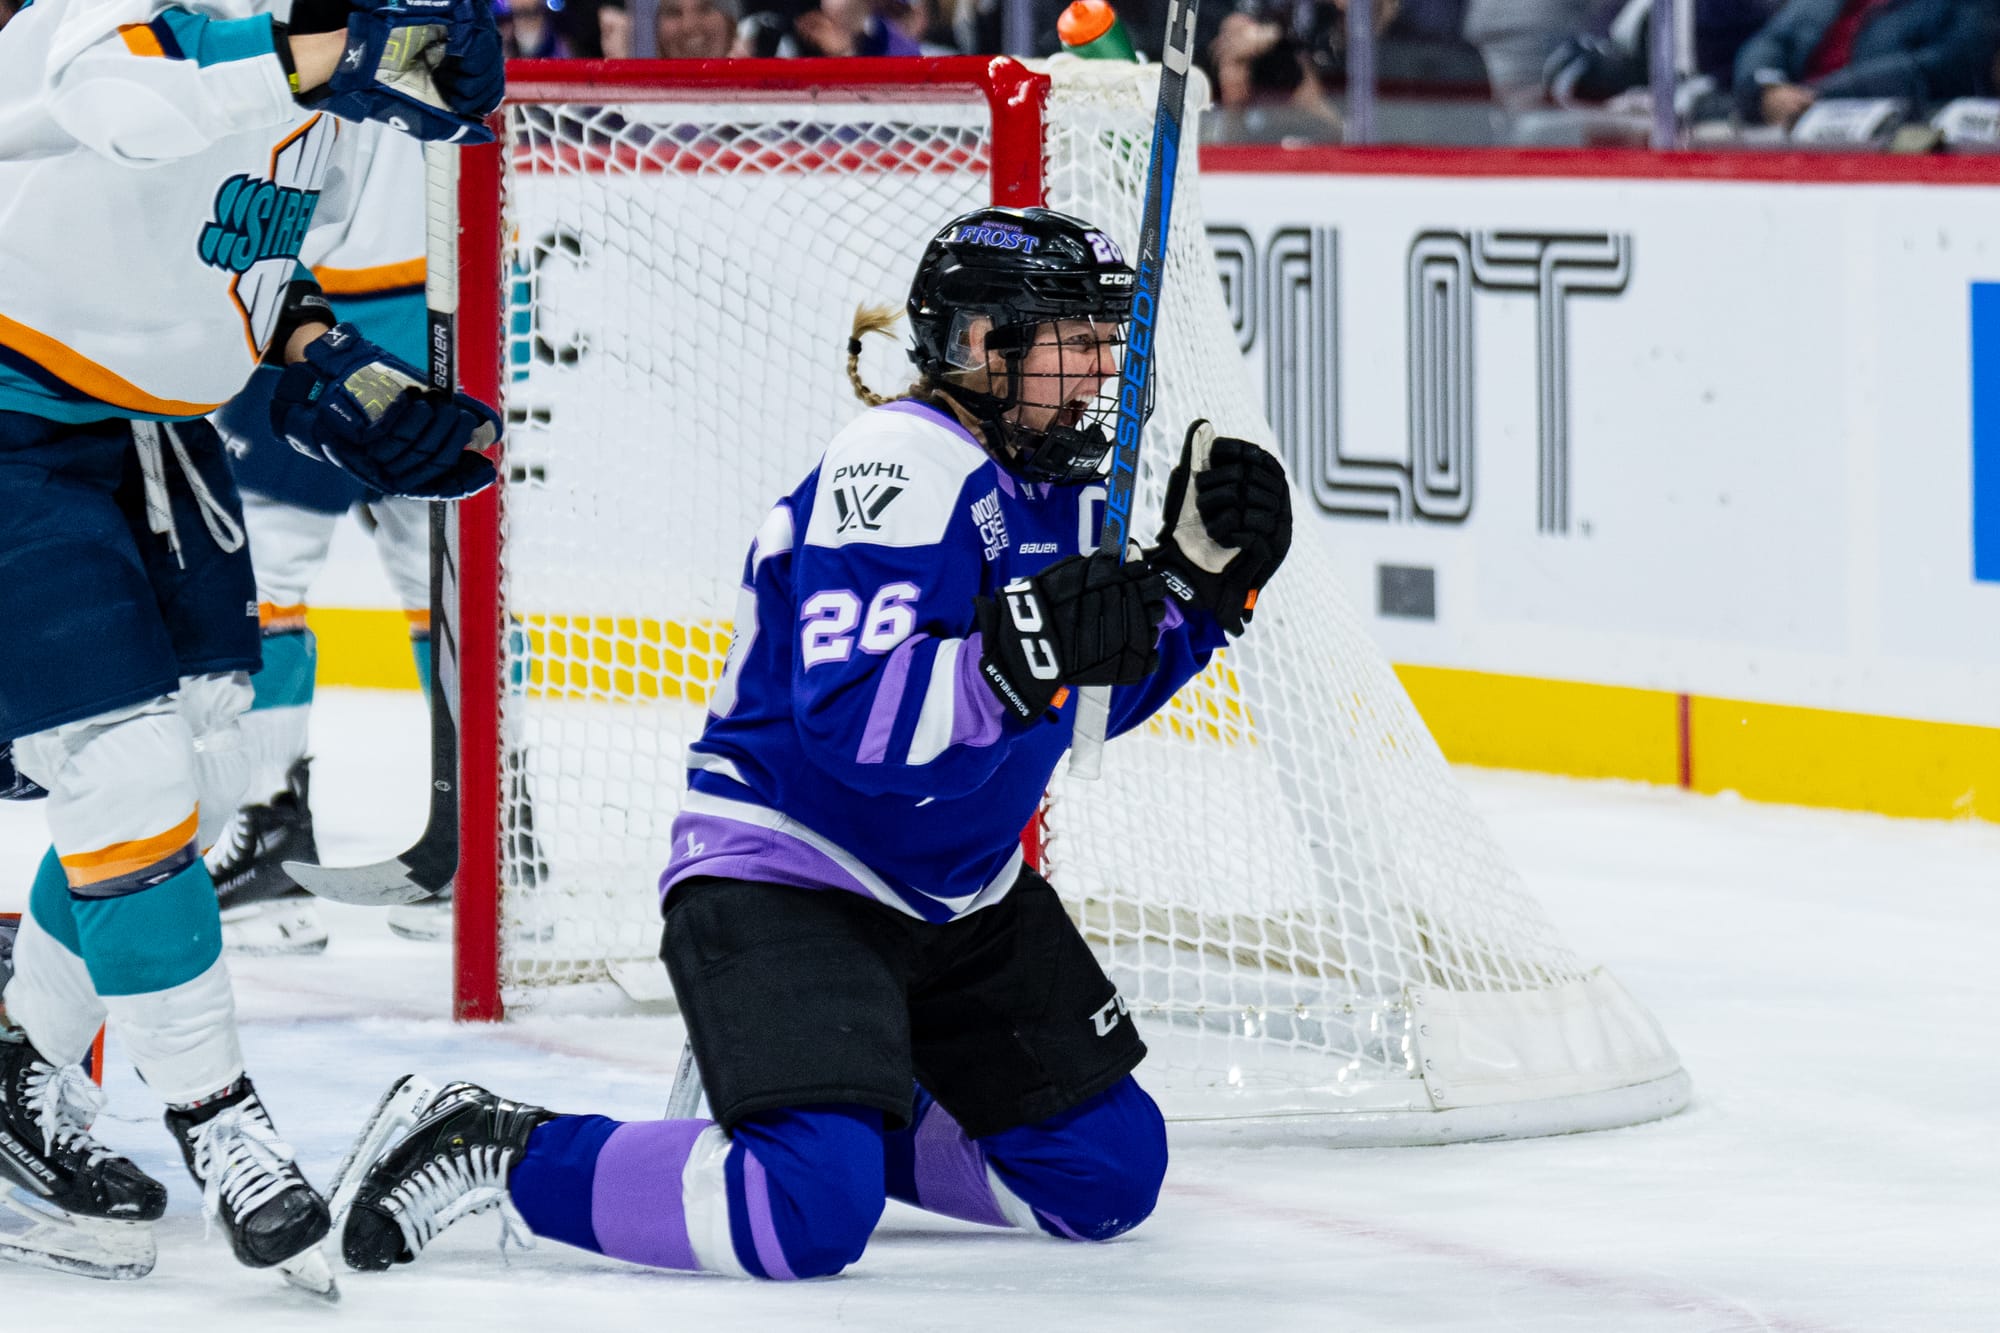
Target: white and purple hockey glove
(432,69)
(1225,534)
(372,416)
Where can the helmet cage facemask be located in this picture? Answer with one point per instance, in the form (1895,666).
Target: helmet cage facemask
(1065,454)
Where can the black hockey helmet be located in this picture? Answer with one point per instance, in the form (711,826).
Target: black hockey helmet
(1021,269)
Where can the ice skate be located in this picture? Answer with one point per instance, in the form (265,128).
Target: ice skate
(250,1181)
(264,910)
(425,921)
(401,1189)
(66,1201)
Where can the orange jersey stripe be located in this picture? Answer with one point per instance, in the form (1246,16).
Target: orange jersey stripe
(273,617)
(125,858)
(88,377)
(140,39)
(419,621)
(367,281)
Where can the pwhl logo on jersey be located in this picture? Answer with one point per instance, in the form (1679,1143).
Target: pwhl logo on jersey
(862,491)
(260,223)
(860,505)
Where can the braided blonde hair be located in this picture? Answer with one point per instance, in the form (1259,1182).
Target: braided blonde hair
(881,319)
(869,319)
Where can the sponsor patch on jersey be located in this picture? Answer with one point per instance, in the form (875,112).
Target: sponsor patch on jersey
(1039,548)
(992,524)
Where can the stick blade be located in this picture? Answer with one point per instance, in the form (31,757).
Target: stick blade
(383,884)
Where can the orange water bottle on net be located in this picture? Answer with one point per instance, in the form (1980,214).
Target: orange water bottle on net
(1090,28)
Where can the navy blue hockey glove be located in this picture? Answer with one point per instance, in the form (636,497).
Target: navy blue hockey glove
(1085,620)
(430,68)
(473,73)
(14,786)
(1219,545)
(373,417)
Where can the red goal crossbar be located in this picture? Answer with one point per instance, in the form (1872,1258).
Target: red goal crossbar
(1016,99)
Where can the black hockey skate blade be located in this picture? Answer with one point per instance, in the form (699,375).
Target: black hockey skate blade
(383,884)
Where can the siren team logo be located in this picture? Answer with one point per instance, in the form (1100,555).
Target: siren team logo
(256,220)
(260,222)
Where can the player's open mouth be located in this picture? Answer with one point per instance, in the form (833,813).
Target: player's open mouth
(1070,414)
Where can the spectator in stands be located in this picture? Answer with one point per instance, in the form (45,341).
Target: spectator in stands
(1516,37)
(683,30)
(1927,51)
(1294,55)
(528,31)
(830,28)
(976,26)
(1611,56)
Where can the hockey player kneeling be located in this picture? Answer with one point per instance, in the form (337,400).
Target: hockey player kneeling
(883,1000)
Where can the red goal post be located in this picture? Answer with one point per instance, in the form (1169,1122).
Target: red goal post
(1015,100)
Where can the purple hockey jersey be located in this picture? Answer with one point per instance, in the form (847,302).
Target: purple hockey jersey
(851,743)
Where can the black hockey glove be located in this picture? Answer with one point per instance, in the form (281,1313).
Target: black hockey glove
(1085,620)
(15,785)
(1221,544)
(372,416)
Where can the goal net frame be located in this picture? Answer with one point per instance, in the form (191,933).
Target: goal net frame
(1488,1025)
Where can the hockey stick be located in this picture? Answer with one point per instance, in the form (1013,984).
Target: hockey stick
(1135,380)
(427,867)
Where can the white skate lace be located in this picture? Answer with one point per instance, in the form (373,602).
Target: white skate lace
(241,1161)
(454,1186)
(64,1102)
(233,846)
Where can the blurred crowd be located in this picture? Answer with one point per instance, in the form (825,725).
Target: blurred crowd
(1446,70)
(1466,70)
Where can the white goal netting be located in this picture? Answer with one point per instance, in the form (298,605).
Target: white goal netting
(1289,888)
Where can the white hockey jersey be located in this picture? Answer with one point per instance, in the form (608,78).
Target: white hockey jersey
(157,180)
(376,249)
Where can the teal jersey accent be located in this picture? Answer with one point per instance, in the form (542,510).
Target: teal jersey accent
(24,393)
(394,321)
(209,41)
(153,940)
(48,903)
(286,678)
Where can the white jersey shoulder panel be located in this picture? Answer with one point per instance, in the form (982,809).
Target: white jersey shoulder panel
(891,478)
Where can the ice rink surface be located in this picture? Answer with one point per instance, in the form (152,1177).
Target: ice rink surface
(1829,980)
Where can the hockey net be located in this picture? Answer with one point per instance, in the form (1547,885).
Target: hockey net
(1293,895)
